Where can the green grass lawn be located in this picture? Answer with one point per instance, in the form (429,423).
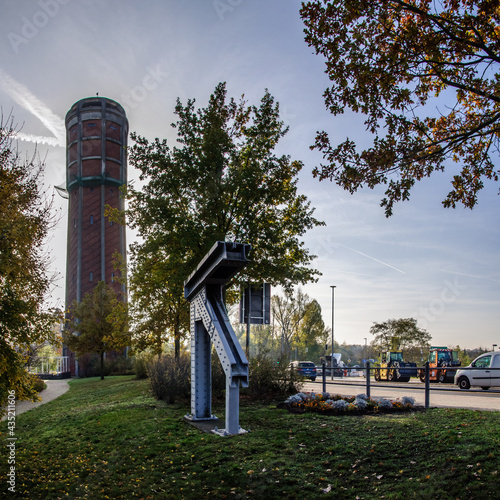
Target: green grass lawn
(111,439)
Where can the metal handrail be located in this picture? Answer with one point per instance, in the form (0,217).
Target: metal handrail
(368,369)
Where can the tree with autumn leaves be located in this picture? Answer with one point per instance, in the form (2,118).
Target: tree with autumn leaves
(391,60)
(98,324)
(26,217)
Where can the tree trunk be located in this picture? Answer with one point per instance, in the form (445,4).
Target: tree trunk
(158,346)
(177,342)
(102,366)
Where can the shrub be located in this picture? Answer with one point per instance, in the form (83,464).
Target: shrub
(340,404)
(360,403)
(140,364)
(84,364)
(384,403)
(119,365)
(271,380)
(39,385)
(170,378)
(218,377)
(406,400)
(89,365)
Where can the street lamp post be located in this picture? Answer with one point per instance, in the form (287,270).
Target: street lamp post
(333,317)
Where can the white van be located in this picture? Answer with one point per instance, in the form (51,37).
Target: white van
(481,373)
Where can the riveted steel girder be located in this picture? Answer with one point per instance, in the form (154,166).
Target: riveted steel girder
(210,326)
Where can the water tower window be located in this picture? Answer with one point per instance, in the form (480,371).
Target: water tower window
(91,189)
(91,220)
(112,277)
(91,276)
(91,124)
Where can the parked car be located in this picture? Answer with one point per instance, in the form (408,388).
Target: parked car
(305,368)
(480,373)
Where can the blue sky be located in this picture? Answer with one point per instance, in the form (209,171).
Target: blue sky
(437,265)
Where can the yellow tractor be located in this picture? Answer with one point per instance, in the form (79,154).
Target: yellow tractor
(392,367)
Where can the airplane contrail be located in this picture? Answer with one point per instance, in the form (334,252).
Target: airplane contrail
(471,276)
(372,258)
(22,95)
(38,139)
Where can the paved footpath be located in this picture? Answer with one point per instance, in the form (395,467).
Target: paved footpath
(55,388)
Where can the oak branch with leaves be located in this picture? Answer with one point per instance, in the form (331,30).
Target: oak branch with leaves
(390,60)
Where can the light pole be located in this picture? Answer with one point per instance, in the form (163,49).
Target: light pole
(366,350)
(333,317)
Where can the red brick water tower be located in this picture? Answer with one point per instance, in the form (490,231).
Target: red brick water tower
(96,168)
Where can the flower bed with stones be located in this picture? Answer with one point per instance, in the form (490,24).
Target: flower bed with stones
(330,404)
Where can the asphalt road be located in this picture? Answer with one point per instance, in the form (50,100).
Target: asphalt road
(441,395)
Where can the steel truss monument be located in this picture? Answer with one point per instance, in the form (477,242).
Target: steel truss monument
(210,326)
